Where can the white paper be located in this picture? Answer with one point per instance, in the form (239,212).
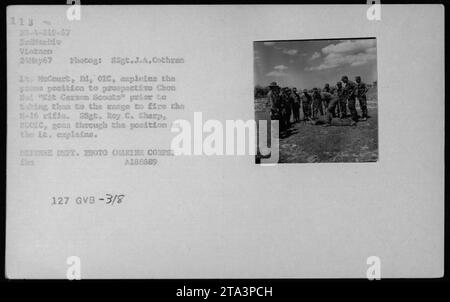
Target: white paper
(219,216)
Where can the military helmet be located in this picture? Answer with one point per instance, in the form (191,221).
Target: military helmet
(344,78)
(305,90)
(339,83)
(273,84)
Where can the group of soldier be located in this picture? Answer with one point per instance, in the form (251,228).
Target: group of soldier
(329,102)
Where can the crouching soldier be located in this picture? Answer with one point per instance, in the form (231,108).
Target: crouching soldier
(361,90)
(334,102)
(326,99)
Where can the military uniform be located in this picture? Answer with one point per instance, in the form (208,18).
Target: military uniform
(295,99)
(334,101)
(282,109)
(332,90)
(317,104)
(339,92)
(306,104)
(287,108)
(326,97)
(360,93)
(326,88)
(273,101)
(349,94)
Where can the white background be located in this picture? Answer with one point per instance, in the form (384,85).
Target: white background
(225,217)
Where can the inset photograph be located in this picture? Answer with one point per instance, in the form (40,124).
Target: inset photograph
(323,94)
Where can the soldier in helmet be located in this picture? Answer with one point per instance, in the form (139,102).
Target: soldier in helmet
(361,90)
(306,104)
(349,95)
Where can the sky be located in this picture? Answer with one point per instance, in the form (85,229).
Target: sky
(312,63)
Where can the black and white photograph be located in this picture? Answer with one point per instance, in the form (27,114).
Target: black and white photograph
(225,150)
(323,93)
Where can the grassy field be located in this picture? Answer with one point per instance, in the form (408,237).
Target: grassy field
(306,143)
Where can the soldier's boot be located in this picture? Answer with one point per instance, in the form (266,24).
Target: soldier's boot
(363,105)
(365,115)
(342,111)
(352,108)
(328,118)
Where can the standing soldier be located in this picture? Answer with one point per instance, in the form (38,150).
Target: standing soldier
(361,90)
(333,92)
(288,102)
(327,89)
(349,95)
(273,101)
(306,104)
(326,99)
(283,108)
(295,104)
(317,103)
